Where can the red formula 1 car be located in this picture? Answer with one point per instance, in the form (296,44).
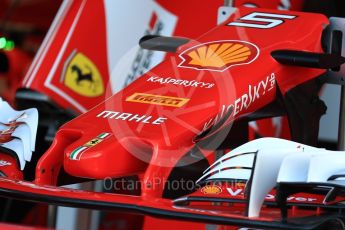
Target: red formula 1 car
(164,129)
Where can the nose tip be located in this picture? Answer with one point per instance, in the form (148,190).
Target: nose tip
(109,158)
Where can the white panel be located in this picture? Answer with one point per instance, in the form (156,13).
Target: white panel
(294,168)
(239,174)
(30,118)
(264,178)
(323,166)
(123,38)
(23,133)
(264,143)
(238,161)
(277,160)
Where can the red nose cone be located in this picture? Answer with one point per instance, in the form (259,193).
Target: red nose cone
(102,156)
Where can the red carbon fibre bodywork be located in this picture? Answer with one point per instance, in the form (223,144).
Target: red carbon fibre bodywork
(164,134)
(128,135)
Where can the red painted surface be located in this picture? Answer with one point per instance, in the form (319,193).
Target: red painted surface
(20,227)
(9,167)
(115,156)
(178,124)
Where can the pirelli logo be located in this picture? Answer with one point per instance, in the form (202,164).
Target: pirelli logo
(157,99)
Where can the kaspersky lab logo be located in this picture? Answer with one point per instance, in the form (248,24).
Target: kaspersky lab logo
(219,55)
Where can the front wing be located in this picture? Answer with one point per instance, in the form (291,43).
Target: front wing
(163,208)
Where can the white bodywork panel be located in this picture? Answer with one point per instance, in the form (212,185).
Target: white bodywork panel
(23,137)
(268,161)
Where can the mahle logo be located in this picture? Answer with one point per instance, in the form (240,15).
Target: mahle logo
(157,99)
(82,76)
(219,55)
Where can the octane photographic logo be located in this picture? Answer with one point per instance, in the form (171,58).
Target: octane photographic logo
(169,103)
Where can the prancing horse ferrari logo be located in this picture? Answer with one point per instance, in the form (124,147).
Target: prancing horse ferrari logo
(82,76)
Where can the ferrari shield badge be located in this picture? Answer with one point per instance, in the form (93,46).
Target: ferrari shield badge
(76,153)
(82,76)
(219,55)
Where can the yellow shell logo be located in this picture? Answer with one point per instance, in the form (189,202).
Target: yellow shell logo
(82,76)
(211,190)
(219,55)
